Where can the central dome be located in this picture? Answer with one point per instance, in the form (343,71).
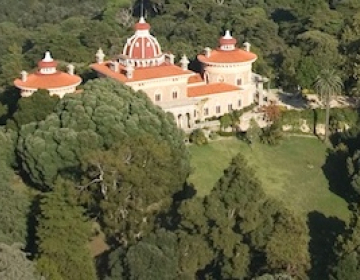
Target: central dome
(142,45)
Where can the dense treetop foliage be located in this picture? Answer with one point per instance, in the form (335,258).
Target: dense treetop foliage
(14,264)
(104,114)
(109,157)
(63,255)
(293,39)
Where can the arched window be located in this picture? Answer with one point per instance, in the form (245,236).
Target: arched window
(218,109)
(175,92)
(206,111)
(158,97)
(238,81)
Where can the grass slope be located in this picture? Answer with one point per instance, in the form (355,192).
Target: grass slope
(291,172)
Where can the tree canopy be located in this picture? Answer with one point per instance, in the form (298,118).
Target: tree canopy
(104,114)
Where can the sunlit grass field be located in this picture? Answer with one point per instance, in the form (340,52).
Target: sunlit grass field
(291,172)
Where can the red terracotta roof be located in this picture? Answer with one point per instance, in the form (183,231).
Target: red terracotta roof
(140,74)
(48,81)
(220,56)
(195,79)
(47,64)
(210,89)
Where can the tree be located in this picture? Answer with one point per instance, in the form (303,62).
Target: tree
(280,276)
(63,232)
(14,264)
(131,183)
(235,228)
(272,134)
(327,85)
(347,250)
(294,257)
(104,114)
(33,109)
(253,133)
(225,121)
(11,65)
(198,137)
(15,202)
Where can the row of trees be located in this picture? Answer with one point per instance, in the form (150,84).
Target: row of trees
(294,40)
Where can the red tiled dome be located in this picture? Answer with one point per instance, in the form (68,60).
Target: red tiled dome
(142,45)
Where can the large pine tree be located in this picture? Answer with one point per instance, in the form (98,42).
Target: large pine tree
(63,232)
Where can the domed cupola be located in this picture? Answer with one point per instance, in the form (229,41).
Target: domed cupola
(227,42)
(47,65)
(142,49)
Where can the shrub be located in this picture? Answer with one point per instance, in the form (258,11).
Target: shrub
(198,137)
(227,133)
(213,135)
(272,135)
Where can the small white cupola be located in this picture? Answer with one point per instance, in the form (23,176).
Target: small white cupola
(47,65)
(227,42)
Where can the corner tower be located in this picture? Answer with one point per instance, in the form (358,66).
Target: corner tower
(228,63)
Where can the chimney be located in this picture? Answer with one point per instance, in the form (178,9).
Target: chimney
(24,76)
(116,66)
(247,46)
(71,69)
(129,71)
(184,62)
(207,52)
(169,58)
(100,56)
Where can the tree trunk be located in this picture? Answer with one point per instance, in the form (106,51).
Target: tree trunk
(327,118)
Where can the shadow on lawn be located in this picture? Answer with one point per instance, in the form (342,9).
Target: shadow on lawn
(323,234)
(335,170)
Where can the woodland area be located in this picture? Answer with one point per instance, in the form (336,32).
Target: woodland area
(107,162)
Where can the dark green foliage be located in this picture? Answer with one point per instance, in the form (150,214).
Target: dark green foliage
(14,264)
(132,183)
(15,208)
(33,109)
(254,132)
(225,121)
(348,253)
(338,118)
(104,114)
(274,277)
(155,257)
(15,202)
(62,233)
(272,134)
(198,137)
(240,231)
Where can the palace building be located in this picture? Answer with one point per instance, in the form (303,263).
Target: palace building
(48,77)
(225,83)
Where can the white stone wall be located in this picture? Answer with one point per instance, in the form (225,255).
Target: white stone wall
(228,73)
(164,87)
(237,99)
(58,91)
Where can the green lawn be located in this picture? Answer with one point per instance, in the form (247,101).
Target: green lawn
(291,172)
